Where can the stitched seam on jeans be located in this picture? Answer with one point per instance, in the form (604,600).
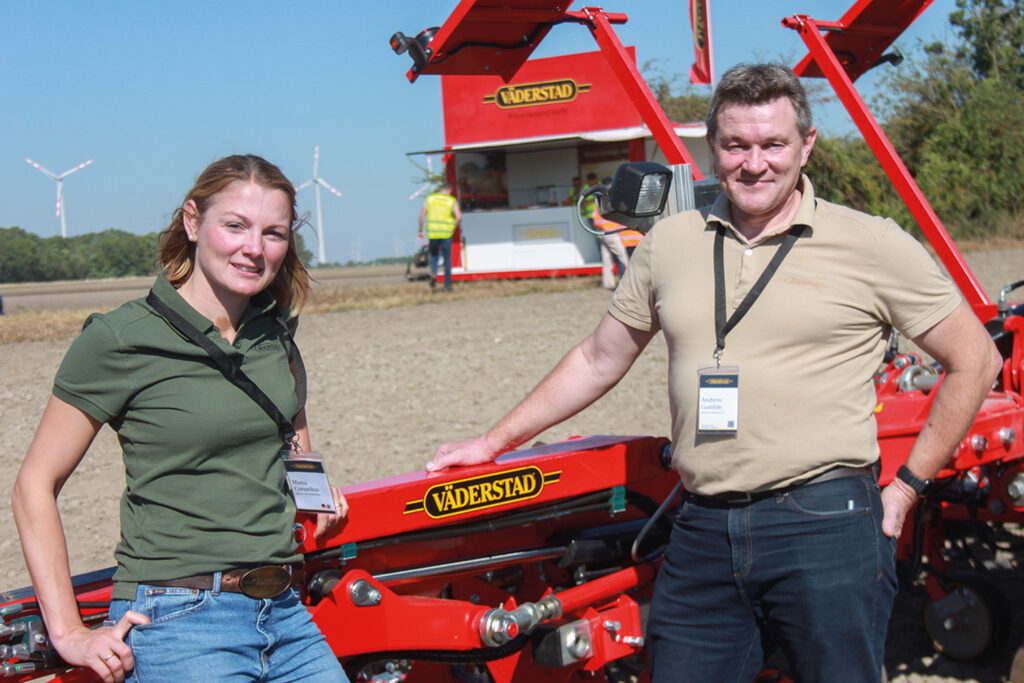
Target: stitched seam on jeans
(746,656)
(835,514)
(876,529)
(184,612)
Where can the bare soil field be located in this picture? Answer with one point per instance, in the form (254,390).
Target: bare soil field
(387,386)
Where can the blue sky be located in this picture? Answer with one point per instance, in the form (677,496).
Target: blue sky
(154,91)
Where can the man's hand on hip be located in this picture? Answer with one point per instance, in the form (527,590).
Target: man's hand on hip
(897,500)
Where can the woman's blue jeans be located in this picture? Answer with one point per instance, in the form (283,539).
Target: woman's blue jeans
(809,569)
(197,635)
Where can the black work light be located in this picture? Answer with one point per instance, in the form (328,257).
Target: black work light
(635,199)
(418,47)
(639,189)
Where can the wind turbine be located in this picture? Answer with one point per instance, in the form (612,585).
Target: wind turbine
(317,182)
(430,170)
(60,190)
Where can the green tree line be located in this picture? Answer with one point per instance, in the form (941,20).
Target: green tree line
(26,257)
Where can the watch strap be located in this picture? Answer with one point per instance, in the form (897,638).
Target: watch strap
(912,480)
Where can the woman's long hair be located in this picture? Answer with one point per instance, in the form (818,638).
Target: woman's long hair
(177,254)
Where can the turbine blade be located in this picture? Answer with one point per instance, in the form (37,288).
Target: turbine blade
(323,182)
(44,170)
(76,168)
(304,185)
(316,159)
(418,192)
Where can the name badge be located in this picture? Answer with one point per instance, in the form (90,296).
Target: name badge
(307,480)
(718,399)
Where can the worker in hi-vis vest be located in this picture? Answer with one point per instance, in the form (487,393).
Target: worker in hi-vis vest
(613,251)
(588,204)
(441,213)
(609,243)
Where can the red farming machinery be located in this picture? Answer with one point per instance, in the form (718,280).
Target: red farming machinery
(539,566)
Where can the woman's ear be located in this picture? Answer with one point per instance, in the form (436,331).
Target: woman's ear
(190,219)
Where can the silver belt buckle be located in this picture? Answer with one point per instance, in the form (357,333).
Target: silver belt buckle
(268,581)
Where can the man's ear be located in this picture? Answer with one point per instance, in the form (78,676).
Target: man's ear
(808,145)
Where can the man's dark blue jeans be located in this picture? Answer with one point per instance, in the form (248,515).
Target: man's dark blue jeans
(810,567)
(444,246)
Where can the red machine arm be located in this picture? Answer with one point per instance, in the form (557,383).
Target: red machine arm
(810,31)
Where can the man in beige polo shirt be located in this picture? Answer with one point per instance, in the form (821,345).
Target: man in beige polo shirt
(776,307)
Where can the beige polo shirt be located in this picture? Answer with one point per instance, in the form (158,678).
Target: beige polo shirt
(808,348)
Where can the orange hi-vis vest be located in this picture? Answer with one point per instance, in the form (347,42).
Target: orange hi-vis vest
(440,216)
(630,238)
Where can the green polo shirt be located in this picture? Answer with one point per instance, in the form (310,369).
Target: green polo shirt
(205,486)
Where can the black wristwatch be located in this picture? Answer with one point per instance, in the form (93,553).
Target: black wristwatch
(912,480)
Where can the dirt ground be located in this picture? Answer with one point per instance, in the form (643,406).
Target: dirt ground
(387,386)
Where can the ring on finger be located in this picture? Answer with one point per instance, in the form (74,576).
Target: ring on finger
(109,657)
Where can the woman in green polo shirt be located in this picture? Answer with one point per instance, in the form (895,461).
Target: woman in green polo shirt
(206,500)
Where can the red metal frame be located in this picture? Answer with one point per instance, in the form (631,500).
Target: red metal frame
(447,560)
(871,26)
(826,60)
(456,47)
(599,22)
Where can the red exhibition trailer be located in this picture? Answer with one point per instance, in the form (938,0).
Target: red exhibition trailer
(513,147)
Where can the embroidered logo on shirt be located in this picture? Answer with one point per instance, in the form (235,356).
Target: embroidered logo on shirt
(268,345)
(801,282)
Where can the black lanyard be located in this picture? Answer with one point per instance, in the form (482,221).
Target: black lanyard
(723,326)
(233,372)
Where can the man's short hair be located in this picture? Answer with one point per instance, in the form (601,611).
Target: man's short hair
(751,84)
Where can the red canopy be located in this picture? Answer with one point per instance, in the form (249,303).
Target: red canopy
(491,37)
(868,29)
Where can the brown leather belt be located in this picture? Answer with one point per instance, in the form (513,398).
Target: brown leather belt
(728,498)
(264,581)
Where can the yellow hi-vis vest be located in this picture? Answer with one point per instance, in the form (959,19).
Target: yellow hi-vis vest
(587,205)
(440,217)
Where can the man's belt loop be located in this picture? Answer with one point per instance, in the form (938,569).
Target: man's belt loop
(215,588)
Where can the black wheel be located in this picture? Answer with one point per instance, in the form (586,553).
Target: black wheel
(971,621)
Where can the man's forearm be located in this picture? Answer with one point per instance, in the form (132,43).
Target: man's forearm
(585,374)
(959,397)
(570,387)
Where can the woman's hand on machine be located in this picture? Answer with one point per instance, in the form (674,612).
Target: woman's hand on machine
(325,521)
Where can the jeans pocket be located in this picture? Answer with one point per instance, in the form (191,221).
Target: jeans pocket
(164,604)
(844,497)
